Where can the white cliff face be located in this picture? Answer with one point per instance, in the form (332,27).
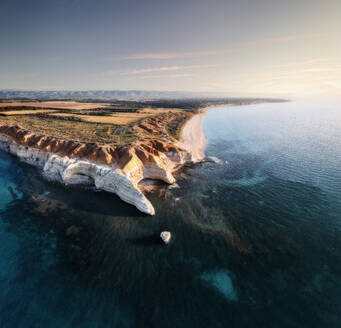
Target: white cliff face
(75,171)
(120,179)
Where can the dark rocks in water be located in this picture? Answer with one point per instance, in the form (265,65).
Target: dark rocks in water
(73,230)
(45,205)
(13,194)
(184,176)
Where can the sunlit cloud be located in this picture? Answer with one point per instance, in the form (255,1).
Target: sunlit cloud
(284,39)
(295,73)
(173,55)
(235,47)
(160,69)
(279,82)
(318,73)
(306,62)
(171,76)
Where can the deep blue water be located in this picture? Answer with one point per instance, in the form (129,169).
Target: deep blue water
(256,238)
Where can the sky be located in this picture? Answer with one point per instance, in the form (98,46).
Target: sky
(286,48)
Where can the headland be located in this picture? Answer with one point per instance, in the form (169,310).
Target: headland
(112,146)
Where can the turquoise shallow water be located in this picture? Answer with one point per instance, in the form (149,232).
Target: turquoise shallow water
(256,238)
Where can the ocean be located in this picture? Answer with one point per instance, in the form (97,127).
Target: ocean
(256,236)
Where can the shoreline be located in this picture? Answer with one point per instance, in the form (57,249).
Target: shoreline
(192,137)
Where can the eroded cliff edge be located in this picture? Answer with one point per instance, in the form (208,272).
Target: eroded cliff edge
(116,169)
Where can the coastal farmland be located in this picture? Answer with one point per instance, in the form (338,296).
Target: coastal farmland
(109,122)
(112,123)
(117,118)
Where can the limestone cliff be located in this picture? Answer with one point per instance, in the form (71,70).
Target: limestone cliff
(116,169)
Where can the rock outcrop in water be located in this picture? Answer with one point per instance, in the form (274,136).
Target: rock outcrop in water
(116,169)
(166,237)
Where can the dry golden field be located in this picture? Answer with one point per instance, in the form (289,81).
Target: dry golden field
(27,112)
(117,118)
(86,122)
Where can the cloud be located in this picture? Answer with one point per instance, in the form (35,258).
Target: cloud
(307,70)
(153,69)
(235,47)
(284,39)
(306,62)
(318,73)
(171,76)
(159,69)
(174,55)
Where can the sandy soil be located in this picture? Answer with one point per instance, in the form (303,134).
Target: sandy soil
(192,137)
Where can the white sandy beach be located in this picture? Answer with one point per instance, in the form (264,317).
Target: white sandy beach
(192,137)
